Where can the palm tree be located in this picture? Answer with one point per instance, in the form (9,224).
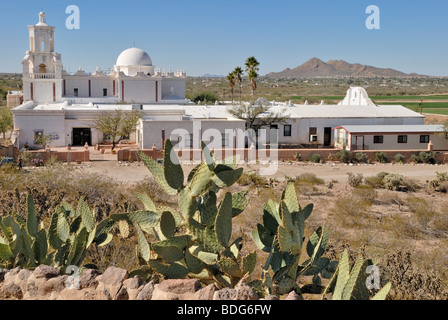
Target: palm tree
(231,79)
(252,68)
(238,72)
(253,75)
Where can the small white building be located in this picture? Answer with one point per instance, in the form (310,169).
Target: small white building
(390,137)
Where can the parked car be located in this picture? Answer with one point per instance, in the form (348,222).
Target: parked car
(5,160)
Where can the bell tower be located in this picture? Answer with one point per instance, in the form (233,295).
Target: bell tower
(42,66)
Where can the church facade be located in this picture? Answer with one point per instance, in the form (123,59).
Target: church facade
(64,106)
(133,78)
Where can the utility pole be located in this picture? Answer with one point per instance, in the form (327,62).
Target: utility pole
(421,106)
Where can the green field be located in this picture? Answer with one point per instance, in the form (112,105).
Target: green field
(428,107)
(405,98)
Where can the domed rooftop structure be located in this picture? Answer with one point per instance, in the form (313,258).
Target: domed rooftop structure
(134,57)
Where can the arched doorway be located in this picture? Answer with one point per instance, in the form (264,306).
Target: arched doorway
(42,68)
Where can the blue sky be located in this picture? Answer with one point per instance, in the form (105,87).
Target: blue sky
(216,36)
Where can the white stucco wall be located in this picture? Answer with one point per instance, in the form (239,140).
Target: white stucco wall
(139,91)
(52,123)
(151,131)
(177,85)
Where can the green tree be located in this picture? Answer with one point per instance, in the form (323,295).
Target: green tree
(231,79)
(238,72)
(251,69)
(205,98)
(117,125)
(42,140)
(258,115)
(6,121)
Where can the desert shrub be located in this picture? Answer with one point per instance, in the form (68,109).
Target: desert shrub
(365,193)
(415,158)
(439,184)
(411,282)
(360,157)
(393,181)
(423,211)
(9,168)
(410,185)
(351,211)
(439,223)
(381,157)
(306,183)
(427,157)
(27,157)
(399,158)
(344,156)
(309,177)
(252,179)
(52,185)
(332,157)
(374,181)
(119,253)
(382,174)
(354,180)
(315,158)
(297,156)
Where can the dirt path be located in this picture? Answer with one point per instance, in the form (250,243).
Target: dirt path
(135,172)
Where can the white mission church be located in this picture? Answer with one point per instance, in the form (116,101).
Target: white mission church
(64,105)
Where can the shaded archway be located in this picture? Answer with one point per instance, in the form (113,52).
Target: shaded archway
(42,68)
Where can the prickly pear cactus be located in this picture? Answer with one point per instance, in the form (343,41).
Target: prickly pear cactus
(71,231)
(282,235)
(349,284)
(206,249)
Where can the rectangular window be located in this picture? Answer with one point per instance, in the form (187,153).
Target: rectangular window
(225,139)
(377,139)
(75,92)
(313,130)
(424,138)
(189,141)
(38,134)
(104,92)
(175,139)
(287,130)
(402,139)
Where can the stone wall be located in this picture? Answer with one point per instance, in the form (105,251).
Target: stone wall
(45,283)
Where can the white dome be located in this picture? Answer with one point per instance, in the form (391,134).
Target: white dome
(134,57)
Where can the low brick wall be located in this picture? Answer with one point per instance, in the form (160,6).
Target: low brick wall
(246,154)
(9,151)
(280,154)
(64,156)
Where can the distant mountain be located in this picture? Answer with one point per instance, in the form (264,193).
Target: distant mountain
(212,76)
(316,68)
